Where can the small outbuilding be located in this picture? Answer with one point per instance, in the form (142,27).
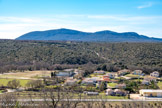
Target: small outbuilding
(123,72)
(92,93)
(99,72)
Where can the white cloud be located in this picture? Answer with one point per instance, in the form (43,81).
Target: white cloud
(124,17)
(18,19)
(146,5)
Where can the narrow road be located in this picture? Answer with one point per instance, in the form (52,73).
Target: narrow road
(87,100)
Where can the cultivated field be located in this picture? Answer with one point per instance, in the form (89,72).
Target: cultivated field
(25,75)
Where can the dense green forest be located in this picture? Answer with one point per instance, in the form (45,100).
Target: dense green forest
(35,55)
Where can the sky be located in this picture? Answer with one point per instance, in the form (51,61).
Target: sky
(18,17)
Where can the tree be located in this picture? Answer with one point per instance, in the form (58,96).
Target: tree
(153,85)
(17,105)
(102,86)
(34,84)
(52,74)
(104,67)
(8,101)
(14,84)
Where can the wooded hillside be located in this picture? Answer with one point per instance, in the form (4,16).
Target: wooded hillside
(22,55)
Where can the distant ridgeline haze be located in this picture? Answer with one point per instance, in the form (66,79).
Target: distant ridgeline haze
(74,35)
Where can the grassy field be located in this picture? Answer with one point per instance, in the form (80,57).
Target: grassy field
(4,81)
(112,84)
(26,74)
(96,75)
(112,97)
(1,91)
(159,84)
(38,95)
(23,77)
(137,80)
(133,76)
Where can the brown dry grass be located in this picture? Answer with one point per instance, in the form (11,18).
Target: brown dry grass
(26,74)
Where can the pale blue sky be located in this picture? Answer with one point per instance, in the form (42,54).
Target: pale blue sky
(21,16)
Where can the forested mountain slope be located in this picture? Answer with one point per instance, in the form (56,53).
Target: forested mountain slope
(16,54)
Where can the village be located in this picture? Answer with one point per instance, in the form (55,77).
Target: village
(123,84)
(133,84)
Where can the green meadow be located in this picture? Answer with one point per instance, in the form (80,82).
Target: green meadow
(5,81)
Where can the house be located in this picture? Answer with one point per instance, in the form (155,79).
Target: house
(90,81)
(150,93)
(110,92)
(112,75)
(123,72)
(116,92)
(77,71)
(106,78)
(99,72)
(70,81)
(120,86)
(145,82)
(119,92)
(138,72)
(64,74)
(95,78)
(149,78)
(155,74)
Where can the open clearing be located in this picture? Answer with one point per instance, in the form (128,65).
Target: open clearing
(4,82)
(112,85)
(26,75)
(133,76)
(23,77)
(159,84)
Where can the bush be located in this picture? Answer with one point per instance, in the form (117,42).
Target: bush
(14,84)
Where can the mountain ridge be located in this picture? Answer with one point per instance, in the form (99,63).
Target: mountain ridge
(64,34)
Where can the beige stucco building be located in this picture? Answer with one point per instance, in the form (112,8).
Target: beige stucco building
(150,93)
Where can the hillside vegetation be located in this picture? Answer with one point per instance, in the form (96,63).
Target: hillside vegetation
(35,55)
